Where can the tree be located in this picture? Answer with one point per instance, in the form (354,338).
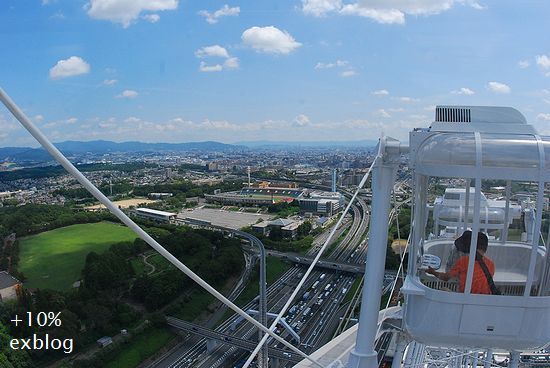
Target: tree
(10,358)
(304,229)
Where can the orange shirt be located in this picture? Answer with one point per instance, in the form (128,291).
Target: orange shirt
(479,281)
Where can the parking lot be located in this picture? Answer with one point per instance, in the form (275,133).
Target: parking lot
(230,219)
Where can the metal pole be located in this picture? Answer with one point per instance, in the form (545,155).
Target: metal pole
(488,358)
(399,350)
(364,355)
(263,354)
(514,359)
(58,156)
(475,358)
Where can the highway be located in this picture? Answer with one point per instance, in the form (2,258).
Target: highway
(313,313)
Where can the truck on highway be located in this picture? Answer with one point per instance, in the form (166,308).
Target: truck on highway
(306,296)
(322,277)
(315,284)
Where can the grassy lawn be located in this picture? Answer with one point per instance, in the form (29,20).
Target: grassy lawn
(140,348)
(54,259)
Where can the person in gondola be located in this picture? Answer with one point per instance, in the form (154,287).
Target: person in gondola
(484,268)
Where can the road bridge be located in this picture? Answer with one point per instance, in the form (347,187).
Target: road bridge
(230,340)
(322,263)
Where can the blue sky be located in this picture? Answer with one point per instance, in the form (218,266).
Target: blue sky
(178,71)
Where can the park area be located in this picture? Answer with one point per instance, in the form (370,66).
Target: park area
(54,259)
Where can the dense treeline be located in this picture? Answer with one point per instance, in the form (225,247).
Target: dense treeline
(284,209)
(207,253)
(195,167)
(186,187)
(10,358)
(34,218)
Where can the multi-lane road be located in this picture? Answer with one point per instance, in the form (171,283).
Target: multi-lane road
(314,314)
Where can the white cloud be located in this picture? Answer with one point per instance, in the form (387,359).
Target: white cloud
(498,87)
(544,117)
(127,93)
(110,82)
(380,92)
(270,40)
(231,63)
(383,11)
(132,119)
(383,113)
(407,99)
(57,15)
(384,16)
(71,120)
(320,8)
(38,118)
(151,18)
(203,67)
(464,91)
(544,62)
(126,11)
(523,64)
(70,67)
(301,120)
(214,50)
(337,63)
(348,73)
(224,11)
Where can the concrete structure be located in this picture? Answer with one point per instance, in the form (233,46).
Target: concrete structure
(9,286)
(322,203)
(288,227)
(159,195)
(155,215)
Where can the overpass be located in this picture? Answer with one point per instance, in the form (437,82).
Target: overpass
(229,340)
(322,263)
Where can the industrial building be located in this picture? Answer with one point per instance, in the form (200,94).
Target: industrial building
(288,227)
(321,203)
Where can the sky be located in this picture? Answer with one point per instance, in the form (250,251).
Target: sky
(280,70)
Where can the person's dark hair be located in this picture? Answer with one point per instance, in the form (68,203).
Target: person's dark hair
(462,243)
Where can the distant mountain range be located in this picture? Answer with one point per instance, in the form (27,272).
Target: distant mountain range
(309,144)
(21,154)
(27,154)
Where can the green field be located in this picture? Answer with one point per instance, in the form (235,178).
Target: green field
(54,259)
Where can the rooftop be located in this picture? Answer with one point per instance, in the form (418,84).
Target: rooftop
(155,212)
(7,280)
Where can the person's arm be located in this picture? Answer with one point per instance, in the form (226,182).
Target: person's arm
(445,276)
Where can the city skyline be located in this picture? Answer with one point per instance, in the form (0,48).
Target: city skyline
(311,70)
